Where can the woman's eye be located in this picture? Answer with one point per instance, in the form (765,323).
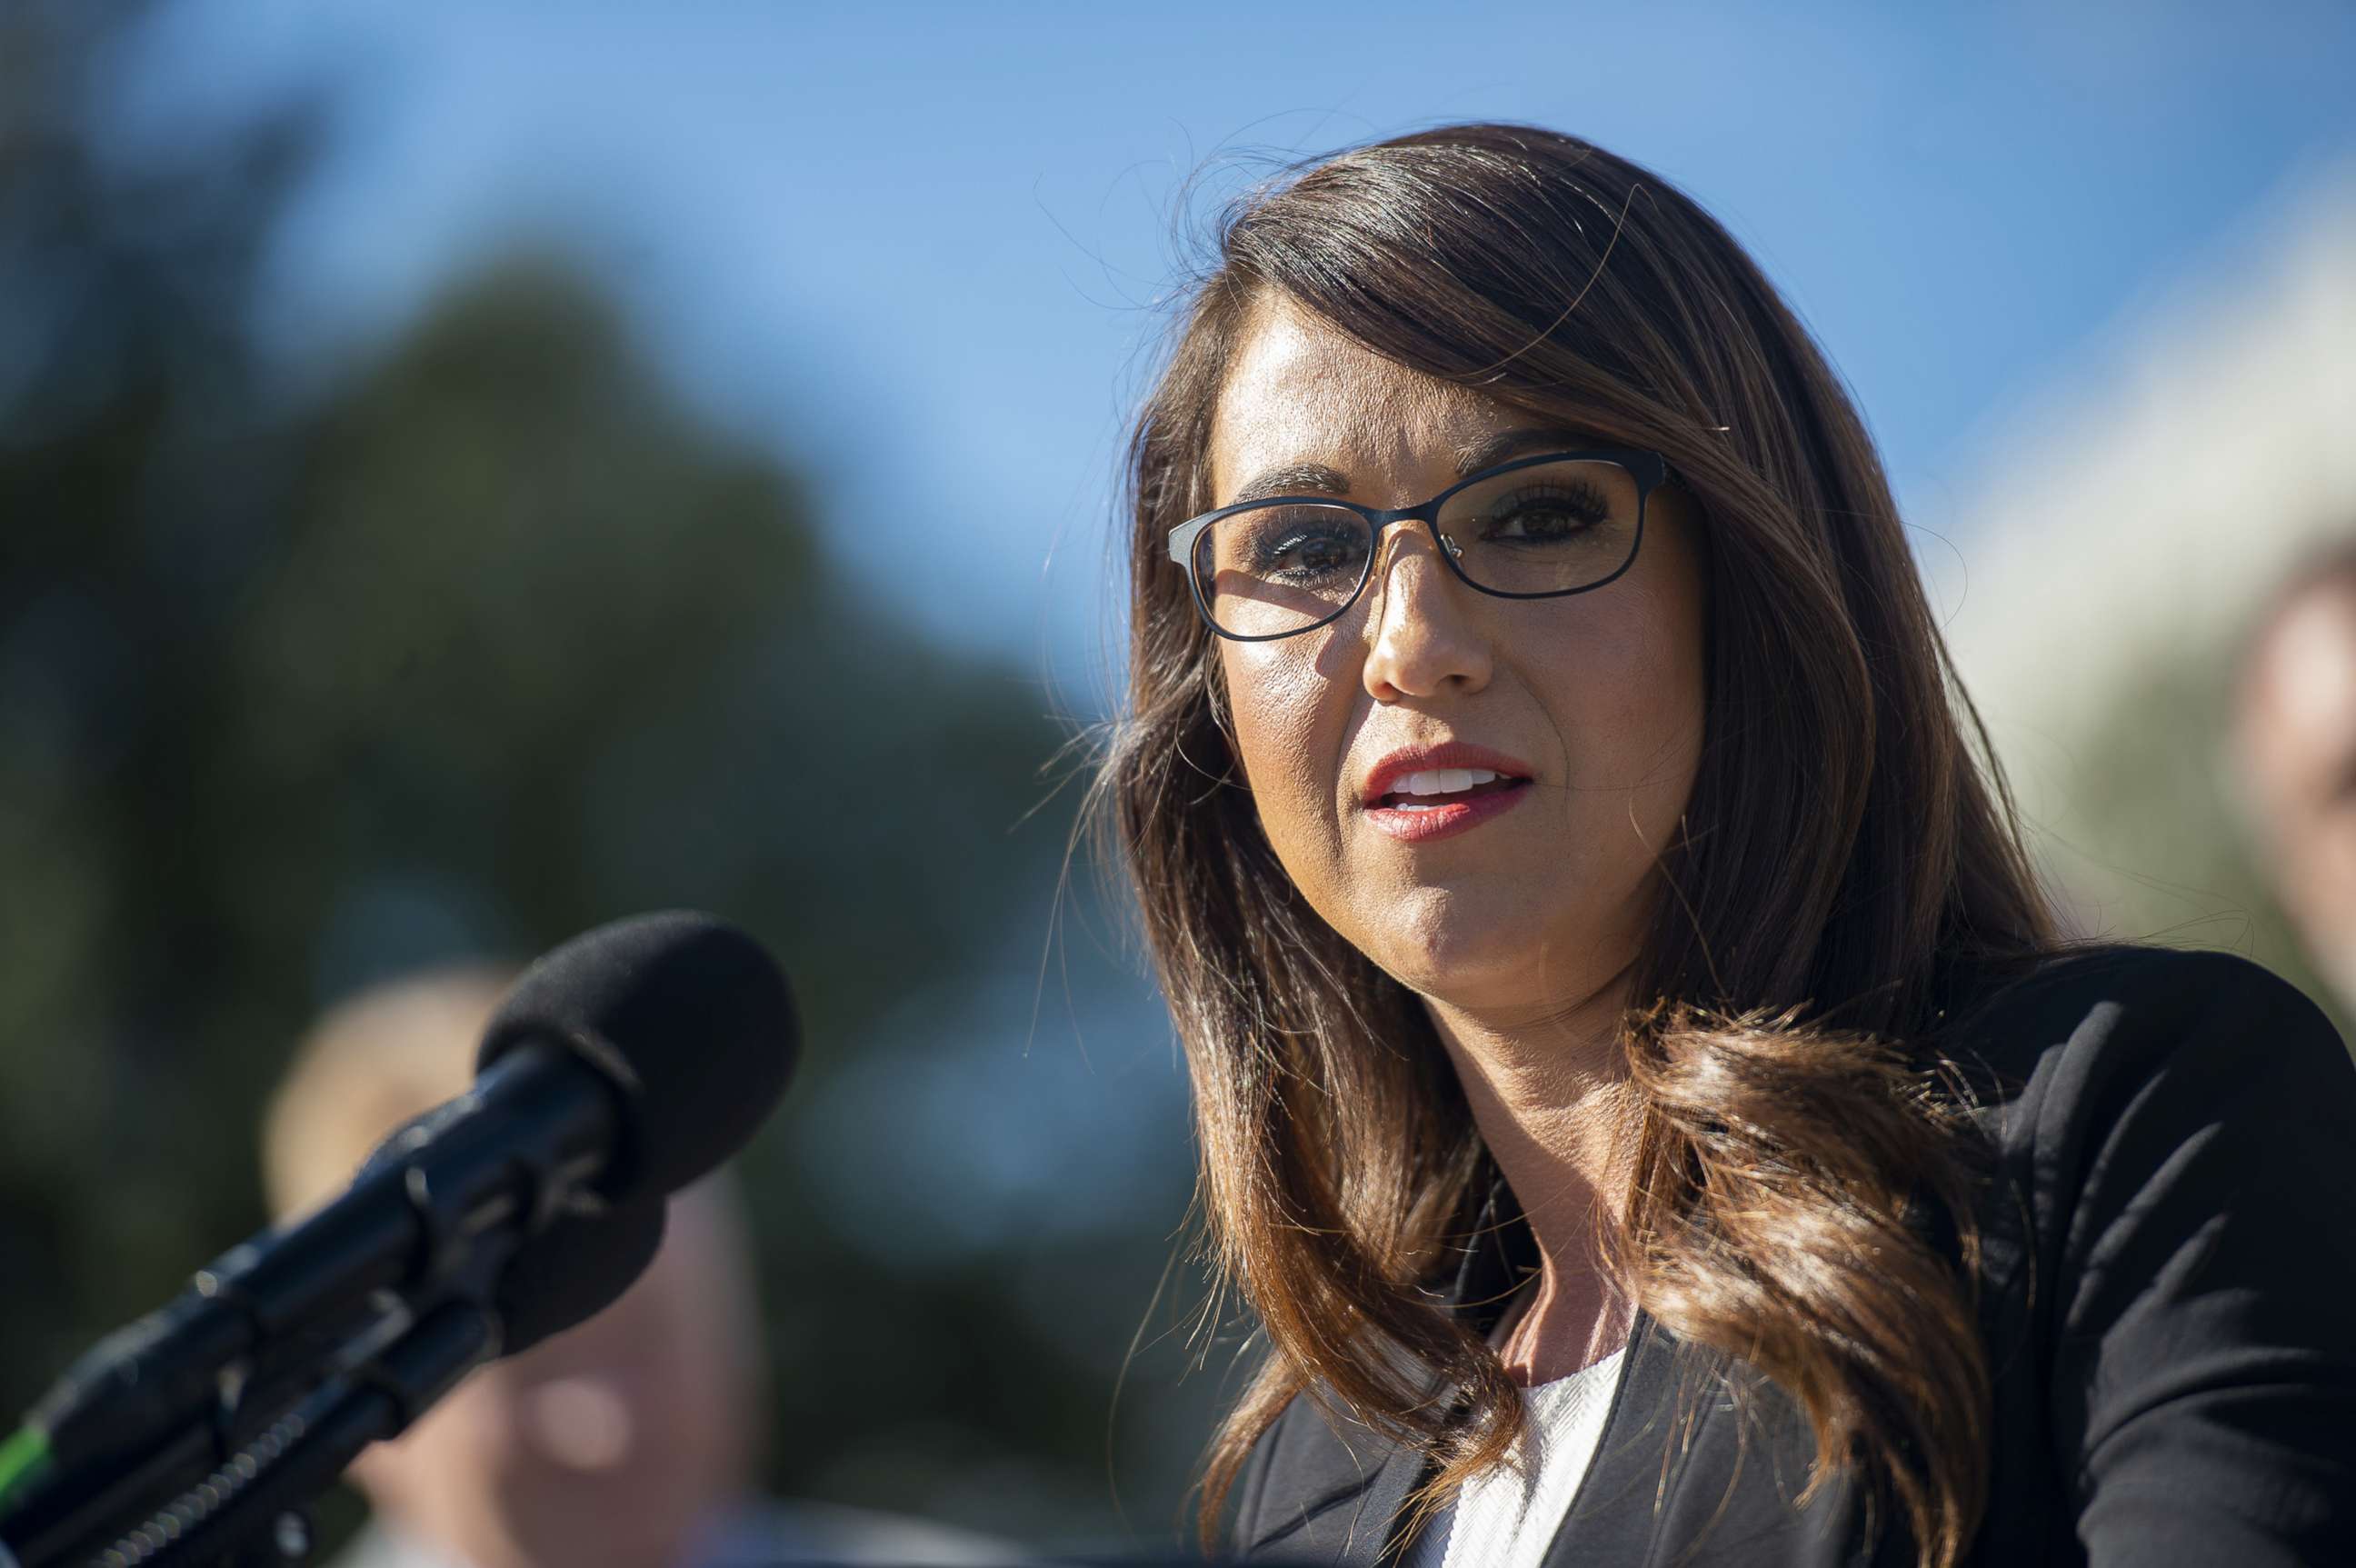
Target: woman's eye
(1541,518)
(1311,553)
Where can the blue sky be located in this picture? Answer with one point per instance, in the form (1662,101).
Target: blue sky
(922,248)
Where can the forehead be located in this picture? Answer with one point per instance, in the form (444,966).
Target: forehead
(2303,691)
(1299,390)
(2307,664)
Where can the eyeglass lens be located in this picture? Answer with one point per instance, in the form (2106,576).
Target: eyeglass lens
(1551,528)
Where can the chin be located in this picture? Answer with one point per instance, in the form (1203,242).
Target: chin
(1446,954)
(1468,971)
(584,1523)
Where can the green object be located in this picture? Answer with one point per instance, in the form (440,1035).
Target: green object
(24,1455)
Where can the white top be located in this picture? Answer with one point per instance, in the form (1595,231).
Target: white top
(1507,1515)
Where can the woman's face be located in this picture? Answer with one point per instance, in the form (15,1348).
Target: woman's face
(1519,905)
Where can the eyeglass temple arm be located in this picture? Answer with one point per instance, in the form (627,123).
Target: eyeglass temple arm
(1182,537)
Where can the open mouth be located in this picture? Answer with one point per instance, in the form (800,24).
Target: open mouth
(1441,788)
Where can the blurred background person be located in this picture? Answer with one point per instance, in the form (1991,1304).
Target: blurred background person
(631,1441)
(2294,747)
(2104,549)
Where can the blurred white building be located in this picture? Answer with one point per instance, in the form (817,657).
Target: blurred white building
(2115,538)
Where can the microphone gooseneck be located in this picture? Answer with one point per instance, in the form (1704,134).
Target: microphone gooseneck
(621,1066)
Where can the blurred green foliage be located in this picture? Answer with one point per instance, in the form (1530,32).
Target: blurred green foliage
(2151,846)
(491,640)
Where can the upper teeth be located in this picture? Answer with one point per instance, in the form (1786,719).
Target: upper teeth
(1442,781)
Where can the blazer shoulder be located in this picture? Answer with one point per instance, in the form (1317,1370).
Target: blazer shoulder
(2108,1074)
(2181,1345)
(2092,1015)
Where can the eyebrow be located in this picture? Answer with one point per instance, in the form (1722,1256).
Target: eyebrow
(1294,480)
(1316,478)
(1490,451)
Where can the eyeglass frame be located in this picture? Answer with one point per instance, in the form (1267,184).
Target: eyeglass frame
(1649,469)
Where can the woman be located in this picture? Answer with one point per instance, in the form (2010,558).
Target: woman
(1643,1096)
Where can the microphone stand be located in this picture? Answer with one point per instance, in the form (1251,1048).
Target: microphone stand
(197,1501)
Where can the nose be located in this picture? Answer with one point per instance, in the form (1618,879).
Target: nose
(1426,637)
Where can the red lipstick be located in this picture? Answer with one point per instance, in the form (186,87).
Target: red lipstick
(1423,815)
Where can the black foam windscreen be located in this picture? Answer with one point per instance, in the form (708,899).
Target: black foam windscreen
(574,1270)
(686,1017)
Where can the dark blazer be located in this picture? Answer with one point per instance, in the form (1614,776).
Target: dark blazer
(2168,1295)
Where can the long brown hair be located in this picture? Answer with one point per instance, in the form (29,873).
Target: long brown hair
(1844,849)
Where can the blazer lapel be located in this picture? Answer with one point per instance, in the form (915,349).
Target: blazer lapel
(1615,1514)
(1681,1458)
(1356,1482)
(1351,1527)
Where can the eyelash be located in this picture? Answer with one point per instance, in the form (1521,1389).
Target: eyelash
(1586,500)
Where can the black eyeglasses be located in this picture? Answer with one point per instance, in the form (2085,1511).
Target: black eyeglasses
(1537,528)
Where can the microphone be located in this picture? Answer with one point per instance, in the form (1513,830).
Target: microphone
(621,1066)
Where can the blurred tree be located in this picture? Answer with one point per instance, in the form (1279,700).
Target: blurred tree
(493,641)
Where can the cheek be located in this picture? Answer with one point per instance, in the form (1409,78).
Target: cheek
(1663,714)
(2318,851)
(1625,695)
(1289,720)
